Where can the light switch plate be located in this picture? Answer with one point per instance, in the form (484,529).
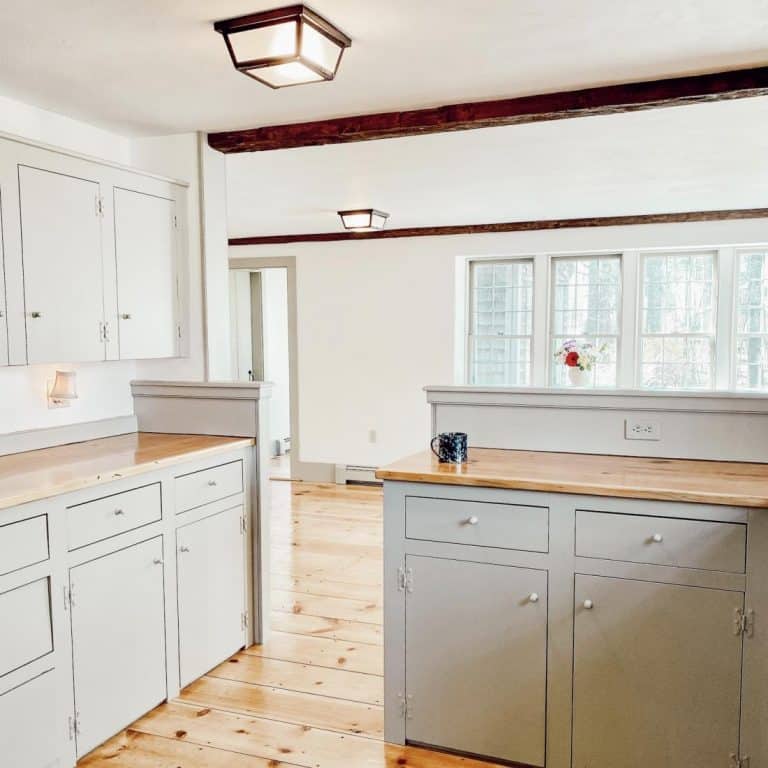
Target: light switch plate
(642,429)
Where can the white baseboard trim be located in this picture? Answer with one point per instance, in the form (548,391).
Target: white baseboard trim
(35,439)
(351,473)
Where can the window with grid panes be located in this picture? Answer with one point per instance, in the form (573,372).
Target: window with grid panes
(500,322)
(586,307)
(751,332)
(678,308)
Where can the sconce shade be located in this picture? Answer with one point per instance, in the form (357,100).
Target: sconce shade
(363,219)
(64,386)
(284,46)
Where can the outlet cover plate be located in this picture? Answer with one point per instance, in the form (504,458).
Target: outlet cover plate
(642,429)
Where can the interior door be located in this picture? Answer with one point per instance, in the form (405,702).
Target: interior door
(476,640)
(211,592)
(145,248)
(63,280)
(118,640)
(657,675)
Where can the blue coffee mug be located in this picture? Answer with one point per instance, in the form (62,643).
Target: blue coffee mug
(451,447)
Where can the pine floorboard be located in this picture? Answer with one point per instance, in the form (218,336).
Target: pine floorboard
(310,697)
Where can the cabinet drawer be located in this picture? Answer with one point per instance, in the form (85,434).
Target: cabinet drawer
(481,523)
(23,543)
(100,519)
(26,621)
(662,541)
(30,720)
(207,485)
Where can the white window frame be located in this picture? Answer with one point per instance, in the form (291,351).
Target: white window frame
(550,335)
(468,335)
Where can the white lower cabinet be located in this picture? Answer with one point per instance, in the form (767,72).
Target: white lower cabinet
(657,674)
(211,591)
(118,640)
(476,658)
(29,724)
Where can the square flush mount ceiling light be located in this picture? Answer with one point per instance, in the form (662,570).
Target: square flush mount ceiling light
(363,219)
(285,46)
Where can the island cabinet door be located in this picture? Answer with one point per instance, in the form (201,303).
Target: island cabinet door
(657,675)
(476,640)
(211,592)
(118,640)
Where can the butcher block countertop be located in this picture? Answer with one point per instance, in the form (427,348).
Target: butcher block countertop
(35,475)
(708,482)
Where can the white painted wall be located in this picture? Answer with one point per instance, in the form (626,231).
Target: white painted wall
(274,298)
(376,324)
(103,387)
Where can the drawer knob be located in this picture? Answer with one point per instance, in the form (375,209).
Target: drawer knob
(589,605)
(657,537)
(158,561)
(119,512)
(533,597)
(474,520)
(183,548)
(212,483)
(125,316)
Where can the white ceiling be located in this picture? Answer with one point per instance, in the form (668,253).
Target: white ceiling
(156,66)
(702,157)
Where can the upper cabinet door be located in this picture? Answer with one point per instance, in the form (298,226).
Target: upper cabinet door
(145,250)
(63,281)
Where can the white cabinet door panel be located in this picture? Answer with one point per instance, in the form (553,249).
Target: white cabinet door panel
(145,249)
(476,658)
(211,592)
(118,640)
(29,725)
(657,675)
(63,280)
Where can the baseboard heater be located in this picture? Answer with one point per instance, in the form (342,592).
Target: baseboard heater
(354,474)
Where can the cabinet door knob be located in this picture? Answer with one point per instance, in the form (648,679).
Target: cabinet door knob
(119,512)
(36,315)
(474,520)
(212,483)
(183,548)
(657,537)
(589,605)
(533,597)
(125,316)
(158,561)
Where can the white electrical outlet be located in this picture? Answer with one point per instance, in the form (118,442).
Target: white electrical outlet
(371,435)
(642,429)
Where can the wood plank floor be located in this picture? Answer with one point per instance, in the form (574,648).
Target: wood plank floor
(310,696)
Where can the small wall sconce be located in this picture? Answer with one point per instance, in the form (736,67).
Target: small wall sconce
(363,219)
(63,390)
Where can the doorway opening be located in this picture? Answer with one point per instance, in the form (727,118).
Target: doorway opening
(261,350)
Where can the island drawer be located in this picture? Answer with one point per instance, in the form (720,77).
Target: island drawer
(23,543)
(207,485)
(26,633)
(662,541)
(112,515)
(479,523)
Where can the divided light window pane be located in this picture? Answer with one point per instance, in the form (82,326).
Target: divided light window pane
(677,320)
(586,301)
(501,322)
(752,320)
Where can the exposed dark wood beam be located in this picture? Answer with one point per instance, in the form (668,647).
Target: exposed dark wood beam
(509,226)
(602,100)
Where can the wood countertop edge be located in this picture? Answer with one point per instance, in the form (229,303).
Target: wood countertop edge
(119,473)
(585,489)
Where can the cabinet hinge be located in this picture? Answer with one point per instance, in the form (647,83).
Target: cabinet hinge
(73,726)
(244,620)
(69,598)
(406,706)
(104,331)
(175,222)
(99,205)
(739,762)
(743,622)
(178,330)
(243,524)
(405,579)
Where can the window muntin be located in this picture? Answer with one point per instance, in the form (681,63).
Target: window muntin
(500,322)
(586,306)
(678,309)
(751,318)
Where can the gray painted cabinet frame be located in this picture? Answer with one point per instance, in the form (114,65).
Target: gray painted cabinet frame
(562,566)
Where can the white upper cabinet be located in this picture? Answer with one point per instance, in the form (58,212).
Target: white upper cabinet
(63,283)
(145,253)
(91,260)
